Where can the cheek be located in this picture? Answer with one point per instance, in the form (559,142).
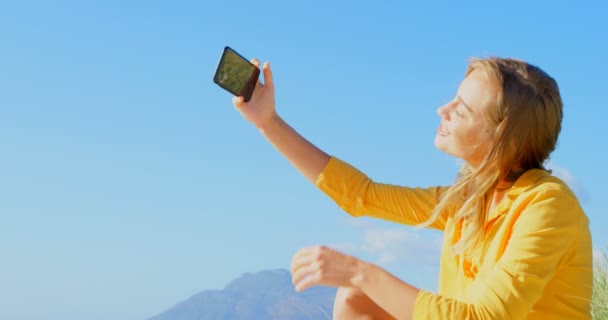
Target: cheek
(468,139)
(471,138)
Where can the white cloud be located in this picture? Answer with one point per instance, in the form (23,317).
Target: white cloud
(571,180)
(387,246)
(345,247)
(410,254)
(348,220)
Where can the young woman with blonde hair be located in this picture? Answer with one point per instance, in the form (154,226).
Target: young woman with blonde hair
(516,241)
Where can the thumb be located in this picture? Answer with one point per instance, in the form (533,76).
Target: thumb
(238,101)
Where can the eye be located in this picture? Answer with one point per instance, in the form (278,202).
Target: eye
(459,114)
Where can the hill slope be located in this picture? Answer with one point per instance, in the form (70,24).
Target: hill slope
(263,295)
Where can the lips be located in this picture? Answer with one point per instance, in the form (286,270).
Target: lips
(441,131)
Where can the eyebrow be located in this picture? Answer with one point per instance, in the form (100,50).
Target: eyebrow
(465,105)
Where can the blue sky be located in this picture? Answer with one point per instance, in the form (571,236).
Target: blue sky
(129,182)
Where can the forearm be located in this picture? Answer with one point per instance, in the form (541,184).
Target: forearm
(305,156)
(387,291)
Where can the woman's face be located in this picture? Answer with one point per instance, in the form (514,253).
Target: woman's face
(462,128)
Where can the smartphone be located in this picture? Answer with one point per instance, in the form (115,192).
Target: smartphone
(236,74)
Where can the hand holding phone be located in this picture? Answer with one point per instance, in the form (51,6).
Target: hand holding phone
(236,74)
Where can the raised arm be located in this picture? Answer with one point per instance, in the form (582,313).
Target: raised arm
(351,189)
(260,111)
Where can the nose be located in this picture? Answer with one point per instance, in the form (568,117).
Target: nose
(443,111)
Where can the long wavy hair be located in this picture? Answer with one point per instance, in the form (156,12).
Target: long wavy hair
(523,124)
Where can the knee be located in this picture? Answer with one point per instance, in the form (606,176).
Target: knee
(353,304)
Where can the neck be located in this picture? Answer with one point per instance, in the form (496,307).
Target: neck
(503,185)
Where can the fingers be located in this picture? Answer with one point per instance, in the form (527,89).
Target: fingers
(306,276)
(258,86)
(268,81)
(302,257)
(307,267)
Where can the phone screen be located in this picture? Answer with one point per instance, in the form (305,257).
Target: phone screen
(236,74)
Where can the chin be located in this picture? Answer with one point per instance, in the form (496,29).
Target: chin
(443,147)
(439,144)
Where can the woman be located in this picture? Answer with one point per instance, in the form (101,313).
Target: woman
(516,242)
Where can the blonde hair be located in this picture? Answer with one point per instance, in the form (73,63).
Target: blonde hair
(524,122)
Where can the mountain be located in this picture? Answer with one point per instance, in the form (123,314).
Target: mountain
(263,295)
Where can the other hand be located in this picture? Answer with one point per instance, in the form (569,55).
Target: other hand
(320,265)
